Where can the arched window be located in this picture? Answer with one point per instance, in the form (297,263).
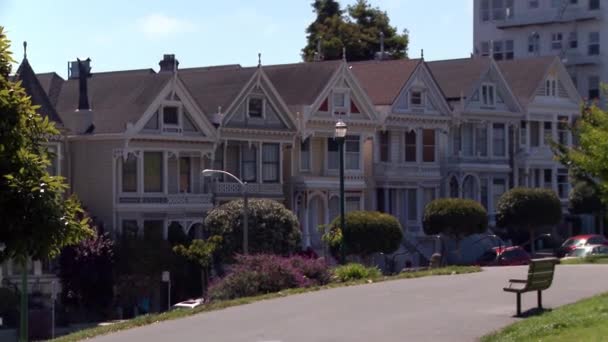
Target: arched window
(468,188)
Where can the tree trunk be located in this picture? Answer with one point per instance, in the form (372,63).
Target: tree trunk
(532,247)
(204,282)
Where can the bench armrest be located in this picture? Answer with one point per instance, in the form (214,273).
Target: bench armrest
(520,281)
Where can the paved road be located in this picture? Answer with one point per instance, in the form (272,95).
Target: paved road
(446,308)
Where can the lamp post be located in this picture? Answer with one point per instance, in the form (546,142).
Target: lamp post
(340,135)
(210,172)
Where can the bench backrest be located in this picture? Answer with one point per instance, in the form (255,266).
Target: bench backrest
(540,274)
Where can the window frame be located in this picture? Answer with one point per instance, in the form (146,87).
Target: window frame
(260,98)
(384,145)
(593,84)
(433,146)
(122,173)
(340,110)
(305,142)
(593,44)
(557,40)
(162,171)
(276,163)
(243,162)
(354,140)
(504,138)
(410,146)
(190,188)
(490,94)
(420,98)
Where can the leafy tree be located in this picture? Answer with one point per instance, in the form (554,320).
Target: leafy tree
(37,219)
(82,287)
(454,217)
(358,33)
(272,227)
(528,209)
(366,233)
(584,198)
(200,252)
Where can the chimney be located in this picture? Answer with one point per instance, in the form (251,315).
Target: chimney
(84,72)
(168,63)
(381,55)
(318,55)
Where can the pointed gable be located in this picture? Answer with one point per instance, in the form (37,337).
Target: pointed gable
(420,94)
(38,94)
(383,80)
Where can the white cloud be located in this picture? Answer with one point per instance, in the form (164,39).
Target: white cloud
(159,25)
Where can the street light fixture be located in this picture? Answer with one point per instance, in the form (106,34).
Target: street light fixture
(210,172)
(340,136)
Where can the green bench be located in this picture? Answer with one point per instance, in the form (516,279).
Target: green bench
(540,277)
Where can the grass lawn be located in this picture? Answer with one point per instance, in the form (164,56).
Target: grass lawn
(586,320)
(595,259)
(154,318)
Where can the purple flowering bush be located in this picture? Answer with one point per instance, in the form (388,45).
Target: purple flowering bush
(265,273)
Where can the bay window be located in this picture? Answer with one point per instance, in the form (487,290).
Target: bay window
(428,145)
(185,179)
(351,152)
(249,163)
(305,155)
(499,139)
(270,163)
(153,172)
(333,156)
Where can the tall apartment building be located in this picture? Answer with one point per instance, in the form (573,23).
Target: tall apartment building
(574,30)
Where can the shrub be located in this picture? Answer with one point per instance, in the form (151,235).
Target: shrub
(366,232)
(454,217)
(265,273)
(353,271)
(272,227)
(529,209)
(9,306)
(584,198)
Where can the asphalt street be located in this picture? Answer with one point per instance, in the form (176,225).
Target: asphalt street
(440,308)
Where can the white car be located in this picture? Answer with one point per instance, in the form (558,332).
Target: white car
(189,304)
(584,251)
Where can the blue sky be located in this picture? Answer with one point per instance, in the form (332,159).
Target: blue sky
(133,34)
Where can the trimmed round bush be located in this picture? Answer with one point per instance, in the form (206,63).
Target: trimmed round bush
(528,207)
(366,232)
(272,227)
(455,217)
(354,271)
(584,199)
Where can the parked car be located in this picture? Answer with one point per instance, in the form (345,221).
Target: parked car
(504,256)
(579,241)
(189,304)
(588,250)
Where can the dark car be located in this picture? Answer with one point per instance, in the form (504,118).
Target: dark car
(579,241)
(504,256)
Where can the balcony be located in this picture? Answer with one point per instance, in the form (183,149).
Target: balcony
(184,199)
(232,189)
(523,19)
(402,170)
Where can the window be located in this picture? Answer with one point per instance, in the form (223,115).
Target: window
(485,10)
(468,187)
(556,40)
(129,229)
(333,157)
(153,172)
(499,186)
(502,9)
(410,146)
(497,50)
(270,162)
(249,163)
(170,116)
(339,103)
(412,204)
(255,107)
(533,4)
(551,87)
(534,43)
(562,130)
(428,145)
(185,179)
(594,4)
(485,49)
(499,139)
(563,187)
(487,95)
(594,87)
(352,203)
(594,44)
(416,98)
(153,230)
(548,179)
(467,139)
(481,140)
(573,40)
(305,155)
(483,192)
(534,133)
(548,132)
(456,141)
(351,152)
(523,133)
(508,49)
(384,144)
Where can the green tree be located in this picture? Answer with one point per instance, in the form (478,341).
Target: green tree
(456,218)
(358,32)
(37,219)
(200,252)
(528,209)
(366,233)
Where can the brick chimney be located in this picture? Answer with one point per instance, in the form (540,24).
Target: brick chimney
(168,63)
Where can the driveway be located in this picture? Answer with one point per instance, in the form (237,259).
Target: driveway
(441,308)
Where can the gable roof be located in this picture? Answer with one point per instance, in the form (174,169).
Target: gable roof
(35,90)
(456,77)
(383,80)
(116,98)
(525,74)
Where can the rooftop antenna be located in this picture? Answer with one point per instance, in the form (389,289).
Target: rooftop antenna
(421,53)
(259,59)
(24,49)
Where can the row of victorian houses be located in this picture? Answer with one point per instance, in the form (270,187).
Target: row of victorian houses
(134,142)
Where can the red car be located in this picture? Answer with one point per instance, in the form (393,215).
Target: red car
(504,256)
(579,241)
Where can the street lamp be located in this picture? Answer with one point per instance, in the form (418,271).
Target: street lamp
(340,135)
(210,172)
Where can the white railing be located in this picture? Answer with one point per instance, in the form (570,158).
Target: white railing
(169,199)
(225,188)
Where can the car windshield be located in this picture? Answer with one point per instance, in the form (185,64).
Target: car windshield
(579,252)
(572,242)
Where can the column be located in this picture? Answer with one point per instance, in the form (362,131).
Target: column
(166,172)
(528,136)
(259,161)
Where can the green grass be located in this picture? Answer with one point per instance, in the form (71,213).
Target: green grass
(154,318)
(594,259)
(586,320)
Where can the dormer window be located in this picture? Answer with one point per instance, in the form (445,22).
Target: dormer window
(488,94)
(340,103)
(255,107)
(551,87)
(170,116)
(416,98)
